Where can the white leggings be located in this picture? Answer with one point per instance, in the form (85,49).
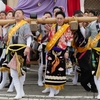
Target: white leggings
(18,83)
(97,83)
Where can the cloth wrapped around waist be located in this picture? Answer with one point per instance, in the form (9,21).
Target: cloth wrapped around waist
(57,49)
(16,57)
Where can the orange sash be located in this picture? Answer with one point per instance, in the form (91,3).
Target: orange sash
(56,36)
(14,29)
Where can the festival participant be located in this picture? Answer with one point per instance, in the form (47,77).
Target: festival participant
(10,14)
(2,16)
(18,41)
(86,14)
(4,69)
(42,31)
(91,13)
(47,28)
(84,58)
(93,30)
(55,77)
(54,11)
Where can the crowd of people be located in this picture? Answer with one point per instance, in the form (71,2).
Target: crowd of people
(59,48)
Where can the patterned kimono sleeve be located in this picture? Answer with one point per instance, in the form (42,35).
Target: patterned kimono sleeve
(51,33)
(65,38)
(68,35)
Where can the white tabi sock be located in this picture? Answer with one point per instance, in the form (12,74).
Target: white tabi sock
(22,80)
(11,87)
(75,78)
(40,72)
(52,92)
(46,90)
(16,80)
(97,82)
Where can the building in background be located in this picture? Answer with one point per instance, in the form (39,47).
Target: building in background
(11,3)
(69,5)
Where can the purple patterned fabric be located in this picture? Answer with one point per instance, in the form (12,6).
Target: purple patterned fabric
(31,6)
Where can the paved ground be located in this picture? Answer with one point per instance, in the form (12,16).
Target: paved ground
(33,91)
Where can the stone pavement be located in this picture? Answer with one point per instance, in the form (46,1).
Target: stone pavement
(33,91)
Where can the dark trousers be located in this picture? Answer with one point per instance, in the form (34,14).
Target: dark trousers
(1,49)
(86,70)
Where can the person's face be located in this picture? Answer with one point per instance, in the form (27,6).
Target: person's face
(98,18)
(91,15)
(3,16)
(9,15)
(60,19)
(55,11)
(48,15)
(86,15)
(19,15)
(79,15)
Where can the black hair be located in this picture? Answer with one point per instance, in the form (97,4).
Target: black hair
(93,12)
(98,12)
(77,12)
(3,12)
(18,10)
(56,7)
(47,12)
(86,11)
(61,13)
(60,9)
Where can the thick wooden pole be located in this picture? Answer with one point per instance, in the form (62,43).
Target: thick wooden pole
(51,20)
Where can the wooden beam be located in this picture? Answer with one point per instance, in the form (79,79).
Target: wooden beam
(51,20)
